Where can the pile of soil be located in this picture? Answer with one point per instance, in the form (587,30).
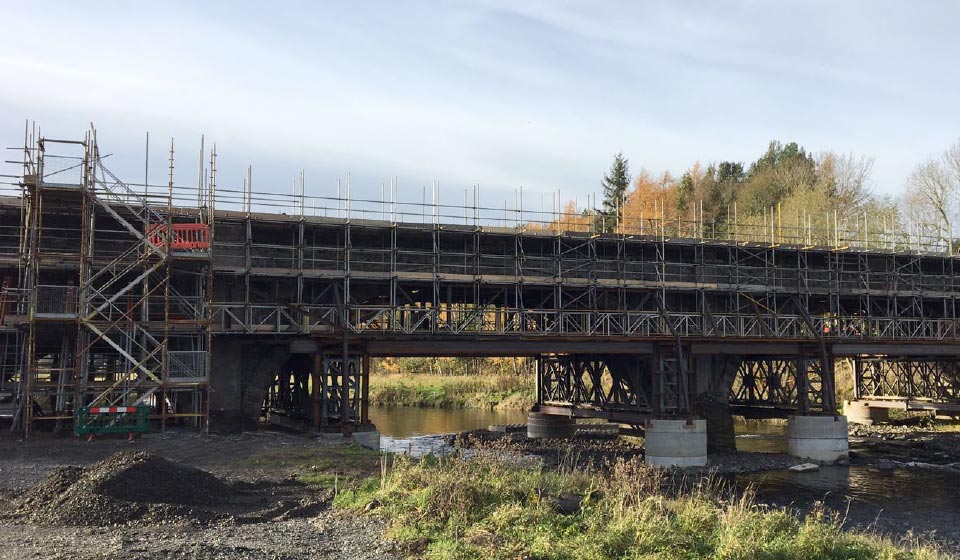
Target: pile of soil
(126,487)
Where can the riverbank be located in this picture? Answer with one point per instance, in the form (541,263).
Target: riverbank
(489,392)
(486,508)
(916,442)
(877,490)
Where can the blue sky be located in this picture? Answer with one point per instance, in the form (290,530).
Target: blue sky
(539,94)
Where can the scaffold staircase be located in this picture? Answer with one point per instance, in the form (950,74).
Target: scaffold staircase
(142,264)
(140,340)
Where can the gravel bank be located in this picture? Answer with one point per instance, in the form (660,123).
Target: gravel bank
(65,499)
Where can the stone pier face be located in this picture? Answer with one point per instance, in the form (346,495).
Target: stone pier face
(858,412)
(676,443)
(713,377)
(242,371)
(819,438)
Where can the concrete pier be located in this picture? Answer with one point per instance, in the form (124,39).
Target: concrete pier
(676,443)
(858,412)
(550,426)
(820,438)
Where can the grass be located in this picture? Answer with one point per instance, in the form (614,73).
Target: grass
(455,508)
(324,466)
(505,392)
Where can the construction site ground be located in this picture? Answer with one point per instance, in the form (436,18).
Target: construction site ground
(280,488)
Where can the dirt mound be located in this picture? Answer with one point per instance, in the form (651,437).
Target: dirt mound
(55,484)
(125,487)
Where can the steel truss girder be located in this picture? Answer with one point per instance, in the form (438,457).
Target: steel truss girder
(800,383)
(649,384)
(932,378)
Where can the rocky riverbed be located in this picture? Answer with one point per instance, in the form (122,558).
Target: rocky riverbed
(592,448)
(914,443)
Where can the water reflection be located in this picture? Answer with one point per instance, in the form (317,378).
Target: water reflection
(936,492)
(405,421)
(761,437)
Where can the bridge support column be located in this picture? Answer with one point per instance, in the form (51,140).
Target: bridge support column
(713,375)
(675,443)
(239,382)
(820,438)
(550,426)
(341,391)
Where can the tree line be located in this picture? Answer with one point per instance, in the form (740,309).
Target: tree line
(786,195)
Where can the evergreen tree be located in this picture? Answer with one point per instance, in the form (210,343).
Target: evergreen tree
(685,190)
(615,184)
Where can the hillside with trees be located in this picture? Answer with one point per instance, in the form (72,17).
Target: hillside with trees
(786,195)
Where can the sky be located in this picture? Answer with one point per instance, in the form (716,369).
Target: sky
(497,93)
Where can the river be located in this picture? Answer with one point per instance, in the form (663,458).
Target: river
(897,502)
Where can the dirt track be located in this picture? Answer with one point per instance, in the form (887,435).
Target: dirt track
(273,515)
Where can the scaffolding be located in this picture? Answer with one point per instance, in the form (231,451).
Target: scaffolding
(113,291)
(109,294)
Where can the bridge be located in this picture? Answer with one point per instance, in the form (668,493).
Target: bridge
(205,302)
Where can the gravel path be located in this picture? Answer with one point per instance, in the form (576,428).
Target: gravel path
(326,535)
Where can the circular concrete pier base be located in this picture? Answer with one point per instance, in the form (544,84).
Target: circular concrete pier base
(820,438)
(550,426)
(676,443)
(858,412)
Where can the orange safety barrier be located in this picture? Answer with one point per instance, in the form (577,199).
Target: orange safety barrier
(185,237)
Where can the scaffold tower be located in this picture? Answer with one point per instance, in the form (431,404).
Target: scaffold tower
(114,287)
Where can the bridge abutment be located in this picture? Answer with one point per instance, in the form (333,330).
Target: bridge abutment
(239,380)
(859,412)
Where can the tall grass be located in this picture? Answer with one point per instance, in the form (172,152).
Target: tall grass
(456,508)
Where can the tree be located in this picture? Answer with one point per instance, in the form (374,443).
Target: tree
(718,189)
(685,192)
(847,178)
(572,219)
(932,200)
(783,169)
(650,201)
(615,184)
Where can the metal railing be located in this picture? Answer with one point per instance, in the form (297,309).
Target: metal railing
(186,365)
(56,300)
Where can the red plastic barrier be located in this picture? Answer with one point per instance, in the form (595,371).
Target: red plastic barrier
(184,237)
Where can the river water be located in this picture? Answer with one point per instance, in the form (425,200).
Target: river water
(905,500)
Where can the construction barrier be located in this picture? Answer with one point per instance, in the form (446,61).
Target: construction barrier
(183,237)
(100,420)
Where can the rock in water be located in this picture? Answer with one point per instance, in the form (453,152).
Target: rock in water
(805,467)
